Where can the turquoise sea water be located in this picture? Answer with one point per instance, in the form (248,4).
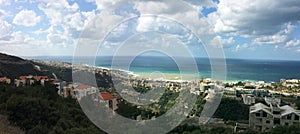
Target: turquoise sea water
(237,69)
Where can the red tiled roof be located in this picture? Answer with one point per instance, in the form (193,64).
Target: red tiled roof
(83,87)
(106,96)
(53,81)
(45,77)
(40,77)
(3,79)
(23,77)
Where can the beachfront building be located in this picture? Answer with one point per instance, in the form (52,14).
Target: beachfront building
(264,117)
(206,86)
(230,92)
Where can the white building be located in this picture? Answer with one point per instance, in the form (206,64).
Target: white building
(109,100)
(84,90)
(263,117)
(248,99)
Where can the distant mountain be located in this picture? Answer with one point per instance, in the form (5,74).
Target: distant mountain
(13,67)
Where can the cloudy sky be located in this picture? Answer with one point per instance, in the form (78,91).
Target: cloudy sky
(252,29)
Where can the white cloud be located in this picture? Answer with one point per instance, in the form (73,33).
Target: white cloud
(2,14)
(23,1)
(254,17)
(292,43)
(103,4)
(242,47)
(56,11)
(161,7)
(218,41)
(6,30)
(177,11)
(278,38)
(202,3)
(265,22)
(26,18)
(66,22)
(4,2)
(229,41)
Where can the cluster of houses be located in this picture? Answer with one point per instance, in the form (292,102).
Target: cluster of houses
(248,95)
(77,91)
(27,80)
(30,80)
(262,117)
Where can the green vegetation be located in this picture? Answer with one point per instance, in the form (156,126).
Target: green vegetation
(140,87)
(185,129)
(294,129)
(231,109)
(291,101)
(13,67)
(38,109)
(155,109)
(198,105)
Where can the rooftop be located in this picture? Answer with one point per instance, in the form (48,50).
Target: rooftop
(106,96)
(83,86)
(3,79)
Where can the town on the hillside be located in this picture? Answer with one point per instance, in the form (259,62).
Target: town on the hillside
(262,115)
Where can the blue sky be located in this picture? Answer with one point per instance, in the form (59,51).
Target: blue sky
(247,29)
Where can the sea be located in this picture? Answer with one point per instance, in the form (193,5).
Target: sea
(236,69)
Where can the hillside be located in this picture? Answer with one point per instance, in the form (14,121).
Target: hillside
(12,67)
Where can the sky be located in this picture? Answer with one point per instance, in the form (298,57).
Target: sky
(245,29)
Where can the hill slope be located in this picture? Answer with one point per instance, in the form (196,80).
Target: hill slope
(12,67)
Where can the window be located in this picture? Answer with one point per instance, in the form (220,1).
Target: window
(267,121)
(296,117)
(264,114)
(289,116)
(110,104)
(276,112)
(257,114)
(276,121)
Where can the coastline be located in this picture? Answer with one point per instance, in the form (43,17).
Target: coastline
(235,72)
(155,75)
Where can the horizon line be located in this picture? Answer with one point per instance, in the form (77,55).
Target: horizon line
(226,58)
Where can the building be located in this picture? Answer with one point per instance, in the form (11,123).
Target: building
(264,117)
(260,93)
(5,80)
(63,90)
(204,87)
(248,99)
(230,92)
(84,90)
(30,80)
(109,99)
(195,90)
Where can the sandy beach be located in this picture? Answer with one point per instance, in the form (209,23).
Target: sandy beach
(167,76)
